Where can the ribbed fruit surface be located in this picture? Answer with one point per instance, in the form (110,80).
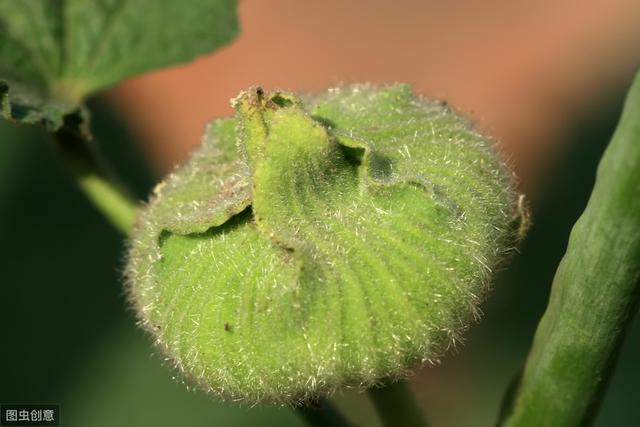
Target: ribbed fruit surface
(305,248)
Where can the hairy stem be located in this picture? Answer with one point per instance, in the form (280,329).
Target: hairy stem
(594,295)
(93,177)
(396,405)
(322,414)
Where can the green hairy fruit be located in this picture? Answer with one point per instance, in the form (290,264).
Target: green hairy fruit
(308,246)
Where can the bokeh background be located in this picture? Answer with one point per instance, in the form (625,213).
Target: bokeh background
(547,78)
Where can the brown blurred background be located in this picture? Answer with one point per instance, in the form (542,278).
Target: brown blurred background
(521,69)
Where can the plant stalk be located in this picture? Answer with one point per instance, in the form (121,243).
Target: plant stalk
(594,295)
(397,406)
(77,149)
(322,414)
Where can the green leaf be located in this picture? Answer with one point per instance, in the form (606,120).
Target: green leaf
(55,53)
(345,242)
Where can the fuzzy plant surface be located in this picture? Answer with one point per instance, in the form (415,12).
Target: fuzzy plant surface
(308,246)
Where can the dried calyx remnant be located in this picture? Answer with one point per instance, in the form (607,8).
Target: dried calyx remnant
(307,247)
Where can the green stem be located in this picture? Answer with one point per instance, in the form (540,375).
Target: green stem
(322,414)
(397,406)
(594,295)
(77,149)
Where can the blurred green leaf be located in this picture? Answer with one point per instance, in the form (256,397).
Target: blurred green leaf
(55,53)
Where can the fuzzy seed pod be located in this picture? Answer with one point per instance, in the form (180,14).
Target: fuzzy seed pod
(303,248)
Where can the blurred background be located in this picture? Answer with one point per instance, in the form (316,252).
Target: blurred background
(547,79)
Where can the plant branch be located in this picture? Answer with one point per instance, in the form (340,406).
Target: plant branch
(397,406)
(322,414)
(593,297)
(78,151)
